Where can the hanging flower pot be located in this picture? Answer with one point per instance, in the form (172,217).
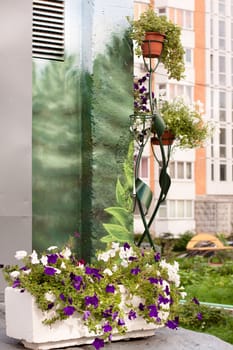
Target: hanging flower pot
(152,45)
(167,138)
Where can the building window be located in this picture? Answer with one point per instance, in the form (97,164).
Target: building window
(181,170)
(176,209)
(222,70)
(185,91)
(144,168)
(222,172)
(188,56)
(222,143)
(221,34)
(222,106)
(48,29)
(221,8)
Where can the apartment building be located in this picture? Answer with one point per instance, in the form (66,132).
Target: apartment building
(201,195)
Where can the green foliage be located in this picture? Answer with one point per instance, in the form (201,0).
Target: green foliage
(214,321)
(182,241)
(173,53)
(185,122)
(120,228)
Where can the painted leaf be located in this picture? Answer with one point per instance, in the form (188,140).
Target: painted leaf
(119,233)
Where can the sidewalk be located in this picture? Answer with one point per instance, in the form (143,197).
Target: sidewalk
(164,339)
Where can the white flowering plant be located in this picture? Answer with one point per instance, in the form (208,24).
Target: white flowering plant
(64,286)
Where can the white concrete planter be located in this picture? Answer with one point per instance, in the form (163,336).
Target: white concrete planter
(24,322)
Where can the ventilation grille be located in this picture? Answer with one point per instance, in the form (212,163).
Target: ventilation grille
(48,29)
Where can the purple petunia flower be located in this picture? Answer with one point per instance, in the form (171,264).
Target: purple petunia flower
(52,258)
(50,271)
(121,322)
(196,301)
(16,283)
(107,313)
(62,297)
(69,310)
(132,315)
(70,300)
(167,290)
(153,280)
(50,306)
(114,315)
(157,256)
(107,328)
(153,311)
(172,324)
(141,307)
(135,271)
(98,343)
(110,288)
(86,314)
(92,301)
(77,282)
(199,316)
(163,300)
(93,271)
(135,86)
(126,246)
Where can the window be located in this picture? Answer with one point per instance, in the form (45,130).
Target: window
(48,29)
(223,172)
(222,143)
(222,106)
(183,18)
(176,209)
(181,170)
(222,70)
(188,56)
(221,34)
(185,91)
(221,8)
(144,171)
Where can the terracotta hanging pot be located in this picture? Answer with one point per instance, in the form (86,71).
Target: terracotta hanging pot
(167,138)
(152,45)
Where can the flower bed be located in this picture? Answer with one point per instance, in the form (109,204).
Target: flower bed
(127,290)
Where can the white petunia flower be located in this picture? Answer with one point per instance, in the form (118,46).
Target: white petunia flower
(14,274)
(66,253)
(63,265)
(20,254)
(107,272)
(49,296)
(27,272)
(34,258)
(52,247)
(44,260)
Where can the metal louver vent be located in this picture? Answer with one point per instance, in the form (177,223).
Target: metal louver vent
(48,29)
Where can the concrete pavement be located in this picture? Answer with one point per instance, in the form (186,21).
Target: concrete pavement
(164,339)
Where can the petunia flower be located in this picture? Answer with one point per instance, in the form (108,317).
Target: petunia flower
(110,288)
(135,271)
(34,258)
(98,343)
(16,283)
(44,260)
(121,322)
(92,300)
(107,327)
(20,254)
(53,247)
(172,324)
(157,256)
(52,258)
(69,310)
(14,274)
(196,301)
(93,272)
(199,316)
(153,311)
(86,314)
(132,315)
(50,271)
